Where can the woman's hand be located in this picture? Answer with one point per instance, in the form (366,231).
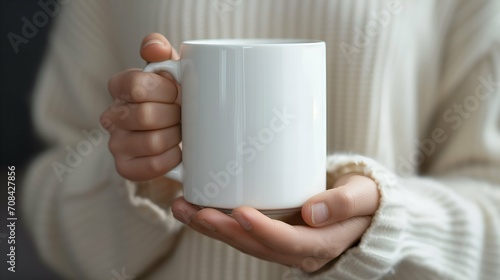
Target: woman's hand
(334,221)
(144,119)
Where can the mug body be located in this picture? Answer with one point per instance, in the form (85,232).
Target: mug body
(253,122)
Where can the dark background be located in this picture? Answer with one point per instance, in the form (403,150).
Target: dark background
(19,142)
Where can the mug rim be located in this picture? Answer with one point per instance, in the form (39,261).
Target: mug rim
(257,42)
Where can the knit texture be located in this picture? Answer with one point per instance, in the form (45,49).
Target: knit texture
(413,102)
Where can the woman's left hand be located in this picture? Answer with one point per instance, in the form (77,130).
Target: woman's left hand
(332,222)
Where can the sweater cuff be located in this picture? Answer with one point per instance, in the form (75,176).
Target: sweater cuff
(378,249)
(153,199)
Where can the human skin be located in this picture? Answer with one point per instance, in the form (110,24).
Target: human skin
(308,244)
(145,145)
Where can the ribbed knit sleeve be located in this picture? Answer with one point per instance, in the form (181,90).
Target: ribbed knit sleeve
(417,97)
(85,219)
(443,224)
(424,228)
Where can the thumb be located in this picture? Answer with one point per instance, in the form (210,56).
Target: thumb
(155,48)
(353,195)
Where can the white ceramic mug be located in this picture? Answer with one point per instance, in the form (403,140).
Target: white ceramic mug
(253,122)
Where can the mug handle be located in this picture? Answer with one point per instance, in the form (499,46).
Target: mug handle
(174,68)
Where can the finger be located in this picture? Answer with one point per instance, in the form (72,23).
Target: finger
(302,240)
(275,234)
(147,168)
(357,196)
(136,86)
(183,210)
(142,116)
(132,144)
(331,241)
(155,47)
(312,247)
(226,229)
(186,213)
(336,238)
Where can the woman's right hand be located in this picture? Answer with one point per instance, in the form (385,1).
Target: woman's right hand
(144,119)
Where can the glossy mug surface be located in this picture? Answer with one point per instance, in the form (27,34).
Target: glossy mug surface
(253,122)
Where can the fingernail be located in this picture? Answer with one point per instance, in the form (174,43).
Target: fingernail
(242,221)
(154,41)
(319,213)
(206,224)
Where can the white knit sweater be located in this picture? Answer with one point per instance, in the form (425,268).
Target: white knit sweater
(412,90)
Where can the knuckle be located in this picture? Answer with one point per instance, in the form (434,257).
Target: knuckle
(138,94)
(155,143)
(156,165)
(151,81)
(146,115)
(143,84)
(346,203)
(121,168)
(137,91)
